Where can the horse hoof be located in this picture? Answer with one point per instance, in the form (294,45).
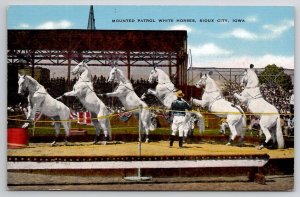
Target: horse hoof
(229,143)
(66,143)
(53,143)
(104,142)
(143,96)
(147,140)
(260,147)
(25,125)
(241,145)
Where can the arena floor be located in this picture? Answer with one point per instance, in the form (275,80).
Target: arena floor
(160,148)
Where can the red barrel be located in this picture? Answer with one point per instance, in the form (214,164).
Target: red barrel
(17,137)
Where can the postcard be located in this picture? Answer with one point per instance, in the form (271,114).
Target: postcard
(150,98)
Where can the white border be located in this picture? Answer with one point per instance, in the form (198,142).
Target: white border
(3,82)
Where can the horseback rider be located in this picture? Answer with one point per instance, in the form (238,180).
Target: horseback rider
(178,110)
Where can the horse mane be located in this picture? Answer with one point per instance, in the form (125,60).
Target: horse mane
(166,77)
(32,80)
(88,74)
(213,82)
(122,75)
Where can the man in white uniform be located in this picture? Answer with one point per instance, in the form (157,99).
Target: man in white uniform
(178,107)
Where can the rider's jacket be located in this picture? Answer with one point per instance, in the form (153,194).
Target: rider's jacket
(179,106)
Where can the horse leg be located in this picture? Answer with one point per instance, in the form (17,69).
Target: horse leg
(72,93)
(112,94)
(57,130)
(65,117)
(266,124)
(241,98)
(153,92)
(267,134)
(106,130)
(29,108)
(233,133)
(240,127)
(145,117)
(273,136)
(198,102)
(98,130)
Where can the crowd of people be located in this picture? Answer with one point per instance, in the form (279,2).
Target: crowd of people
(275,95)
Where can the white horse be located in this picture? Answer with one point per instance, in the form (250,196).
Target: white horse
(84,91)
(213,99)
(267,113)
(129,99)
(39,99)
(165,92)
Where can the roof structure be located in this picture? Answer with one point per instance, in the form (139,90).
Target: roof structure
(100,48)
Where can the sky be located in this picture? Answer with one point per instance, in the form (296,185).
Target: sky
(265,35)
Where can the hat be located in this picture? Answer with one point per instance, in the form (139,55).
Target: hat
(251,66)
(179,93)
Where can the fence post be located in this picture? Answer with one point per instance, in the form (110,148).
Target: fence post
(139,177)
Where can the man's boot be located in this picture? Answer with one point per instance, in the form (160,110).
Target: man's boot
(171,141)
(180,142)
(96,139)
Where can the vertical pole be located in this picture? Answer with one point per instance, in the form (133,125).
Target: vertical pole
(138,177)
(140,128)
(128,64)
(230,86)
(32,63)
(170,65)
(140,137)
(69,70)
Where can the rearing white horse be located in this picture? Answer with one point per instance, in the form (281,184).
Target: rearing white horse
(165,92)
(38,98)
(129,99)
(213,99)
(268,114)
(84,91)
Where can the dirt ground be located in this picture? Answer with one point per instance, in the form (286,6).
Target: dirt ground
(16,181)
(160,148)
(29,181)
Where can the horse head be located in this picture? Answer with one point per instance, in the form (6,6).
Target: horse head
(202,81)
(153,75)
(22,84)
(114,75)
(80,68)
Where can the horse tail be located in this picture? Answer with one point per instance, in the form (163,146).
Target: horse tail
(279,136)
(200,122)
(109,128)
(242,125)
(152,126)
